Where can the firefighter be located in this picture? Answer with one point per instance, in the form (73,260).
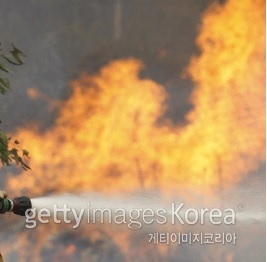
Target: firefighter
(18,205)
(3,195)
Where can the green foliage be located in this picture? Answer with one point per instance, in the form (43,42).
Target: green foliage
(12,57)
(10,151)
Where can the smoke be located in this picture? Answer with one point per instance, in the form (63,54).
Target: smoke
(62,40)
(218,138)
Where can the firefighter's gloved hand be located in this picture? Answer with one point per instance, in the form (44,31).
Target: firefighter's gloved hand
(3,194)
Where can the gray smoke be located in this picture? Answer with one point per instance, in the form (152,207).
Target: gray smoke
(62,40)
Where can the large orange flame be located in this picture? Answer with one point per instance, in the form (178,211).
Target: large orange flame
(110,134)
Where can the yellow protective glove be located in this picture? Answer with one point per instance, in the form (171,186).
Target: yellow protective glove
(3,194)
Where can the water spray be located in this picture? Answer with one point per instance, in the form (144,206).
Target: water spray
(247,206)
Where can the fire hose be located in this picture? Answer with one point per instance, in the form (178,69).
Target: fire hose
(18,205)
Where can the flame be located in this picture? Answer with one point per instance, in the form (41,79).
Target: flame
(111,133)
(35,94)
(228,121)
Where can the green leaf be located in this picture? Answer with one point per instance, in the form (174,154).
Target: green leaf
(14,57)
(2,90)
(16,154)
(25,166)
(25,152)
(4,156)
(4,85)
(17,50)
(3,68)
(17,54)
(10,61)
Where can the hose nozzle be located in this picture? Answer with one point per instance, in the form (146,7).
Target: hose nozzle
(18,205)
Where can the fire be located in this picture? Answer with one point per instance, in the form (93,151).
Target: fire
(35,94)
(229,98)
(111,133)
